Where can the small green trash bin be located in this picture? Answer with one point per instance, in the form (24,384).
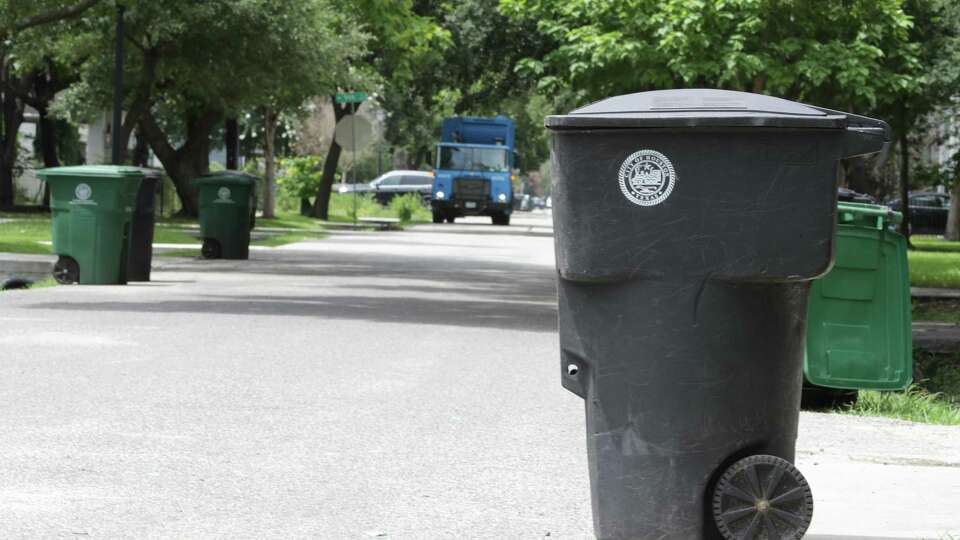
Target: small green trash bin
(859,324)
(227,207)
(92,206)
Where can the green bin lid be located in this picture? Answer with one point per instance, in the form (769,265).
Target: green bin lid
(871,216)
(237,178)
(96,171)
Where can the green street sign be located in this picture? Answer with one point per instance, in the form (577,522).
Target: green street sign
(351,97)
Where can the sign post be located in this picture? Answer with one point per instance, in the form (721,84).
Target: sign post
(354,99)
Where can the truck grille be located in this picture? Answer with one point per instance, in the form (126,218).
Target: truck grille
(472,189)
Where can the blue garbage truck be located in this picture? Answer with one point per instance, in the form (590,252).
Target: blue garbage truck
(473,169)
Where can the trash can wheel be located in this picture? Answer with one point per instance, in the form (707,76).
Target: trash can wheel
(66,271)
(211,249)
(762,497)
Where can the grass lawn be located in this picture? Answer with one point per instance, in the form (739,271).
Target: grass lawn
(934,398)
(24,234)
(914,404)
(937,310)
(934,263)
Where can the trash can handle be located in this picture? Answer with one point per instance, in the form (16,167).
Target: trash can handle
(864,135)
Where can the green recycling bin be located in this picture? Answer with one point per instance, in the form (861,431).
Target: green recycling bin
(228,203)
(859,324)
(91,207)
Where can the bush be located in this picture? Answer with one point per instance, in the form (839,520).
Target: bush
(297,178)
(342,206)
(408,207)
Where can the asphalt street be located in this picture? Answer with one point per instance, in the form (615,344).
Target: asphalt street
(400,385)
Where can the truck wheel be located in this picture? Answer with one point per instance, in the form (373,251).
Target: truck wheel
(66,271)
(451,219)
(437,217)
(762,496)
(210,249)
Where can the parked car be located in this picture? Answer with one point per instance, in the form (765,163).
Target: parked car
(388,185)
(928,211)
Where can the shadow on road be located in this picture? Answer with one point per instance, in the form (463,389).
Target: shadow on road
(536,317)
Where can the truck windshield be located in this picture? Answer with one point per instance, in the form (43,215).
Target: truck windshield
(467,158)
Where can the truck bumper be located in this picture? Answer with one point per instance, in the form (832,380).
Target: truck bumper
(463,208)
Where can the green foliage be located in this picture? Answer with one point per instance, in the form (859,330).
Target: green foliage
(939,373)
(853,54)
(299,176)
(342,206)
(914,404)
(409,207)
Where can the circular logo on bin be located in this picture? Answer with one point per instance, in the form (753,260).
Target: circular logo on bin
(647,178)
(83,192)
(224,193)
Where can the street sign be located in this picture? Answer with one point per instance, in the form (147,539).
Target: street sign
(353,133)
(351,97)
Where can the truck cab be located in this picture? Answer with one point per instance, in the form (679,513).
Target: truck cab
(474,169)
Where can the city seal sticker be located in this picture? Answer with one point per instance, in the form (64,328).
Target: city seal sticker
(224,193)
(83,192)
(647,178)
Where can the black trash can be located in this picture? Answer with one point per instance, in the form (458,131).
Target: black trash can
(142,224)
(688,225)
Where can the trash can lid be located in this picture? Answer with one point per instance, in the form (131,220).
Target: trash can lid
(227,177)
(100,171)
(699,108)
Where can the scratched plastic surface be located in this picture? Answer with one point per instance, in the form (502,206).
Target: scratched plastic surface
(682,321)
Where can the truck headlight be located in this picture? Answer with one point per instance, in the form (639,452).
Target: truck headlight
(502,197)
(441,195)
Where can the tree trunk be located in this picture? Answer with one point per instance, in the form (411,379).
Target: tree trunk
(141,151)
(270,183)
(905,185)
(953,217)
(47,130)
(321,205)
(904,171)
(140,104)
(188,162)
(12,119)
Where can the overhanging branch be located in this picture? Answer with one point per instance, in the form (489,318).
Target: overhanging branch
(61,14)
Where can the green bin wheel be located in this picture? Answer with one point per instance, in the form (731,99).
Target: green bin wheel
(437,217)
(451,219)
(66,271)
(210,249)
(762,497)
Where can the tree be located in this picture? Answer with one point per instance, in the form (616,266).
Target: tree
(402,43)
(887,58)
(190,64)
(19,80)
(934,36)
